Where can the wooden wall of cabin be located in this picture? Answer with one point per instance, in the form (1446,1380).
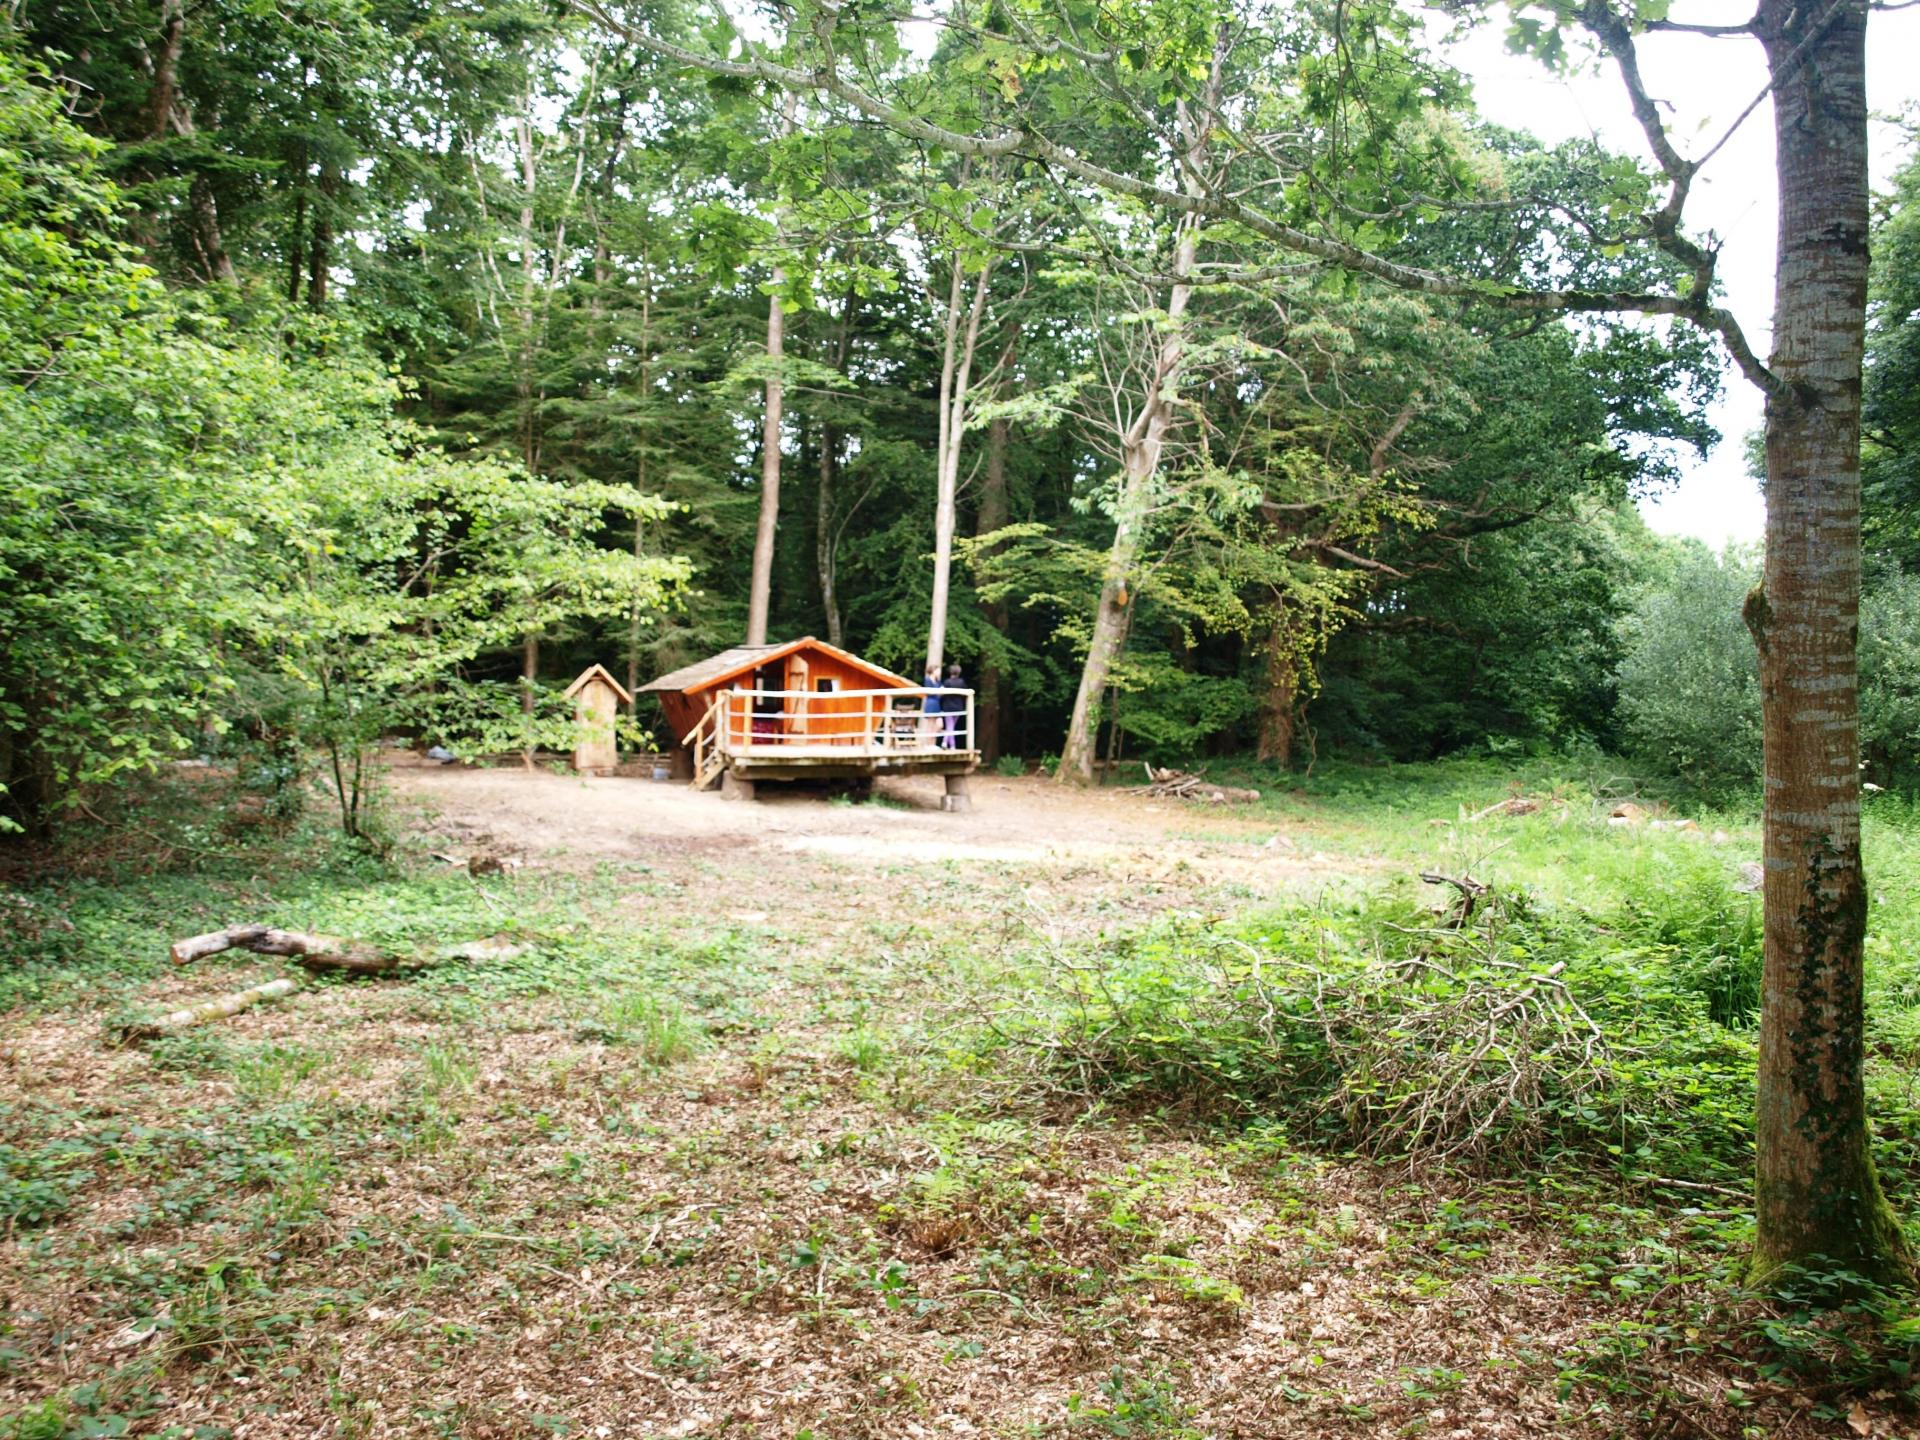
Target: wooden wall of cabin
(828,719)
(802,670)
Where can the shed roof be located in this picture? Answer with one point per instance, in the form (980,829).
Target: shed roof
(717,669)
(598,672)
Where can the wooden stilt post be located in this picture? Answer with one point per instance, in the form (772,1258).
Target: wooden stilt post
(957,798)
(732,787)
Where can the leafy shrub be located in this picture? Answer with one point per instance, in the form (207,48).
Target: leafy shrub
(1689,682)
(1706,933)
(1890,680)
(1512,1039)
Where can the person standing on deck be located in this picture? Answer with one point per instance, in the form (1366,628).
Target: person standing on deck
(953,705)
(930,712)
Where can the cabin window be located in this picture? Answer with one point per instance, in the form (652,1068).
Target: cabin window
(826,686)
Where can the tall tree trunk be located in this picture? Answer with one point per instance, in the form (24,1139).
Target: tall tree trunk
(826,552)
(993,514)
(1280,695)
(760,586)
(766,529)
(826,527)
(320,246)
(525,348)
(207,239)
(166,69)
(1111,617)
(1140,449)
(962,337)
(1817,1199)
(529,679)
(203,211)
(645,343)
(297,236)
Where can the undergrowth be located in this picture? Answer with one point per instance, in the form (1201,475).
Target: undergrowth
(1376,1027)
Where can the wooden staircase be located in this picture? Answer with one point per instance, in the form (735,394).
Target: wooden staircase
(709,760)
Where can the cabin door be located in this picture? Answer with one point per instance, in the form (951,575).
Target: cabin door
(797,681)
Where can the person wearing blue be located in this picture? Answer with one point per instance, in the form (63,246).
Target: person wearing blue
(953,707)
(931,726)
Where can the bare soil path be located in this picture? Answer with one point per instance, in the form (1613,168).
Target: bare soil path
(1029,820)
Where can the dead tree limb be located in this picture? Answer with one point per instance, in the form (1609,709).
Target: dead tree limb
(185,952)
(330,952)
(217,1009)
(1169,784)
(1471,892)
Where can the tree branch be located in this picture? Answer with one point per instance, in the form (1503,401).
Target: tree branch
(825,77)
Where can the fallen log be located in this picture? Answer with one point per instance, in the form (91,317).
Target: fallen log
(194,947)
(217,1009)
(1512,805)
(327,952)
(317,953)
(313,952)
(330,952)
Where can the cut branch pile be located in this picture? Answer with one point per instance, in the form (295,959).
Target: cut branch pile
(316,953)
(1471,891)
(1172,784)
(1447,1044)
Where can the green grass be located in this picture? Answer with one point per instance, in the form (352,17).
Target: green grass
(658,1030)
(952,1117)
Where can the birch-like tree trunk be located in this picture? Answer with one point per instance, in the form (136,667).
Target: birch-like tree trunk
(767,528)
(641,479)
(1817,1199)
(826,533)
(993,514)
(1140,450)
(961,338)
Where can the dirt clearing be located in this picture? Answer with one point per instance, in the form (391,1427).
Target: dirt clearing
(720,1155)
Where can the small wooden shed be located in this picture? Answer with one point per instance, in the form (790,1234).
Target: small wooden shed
(806,665)
(597,697)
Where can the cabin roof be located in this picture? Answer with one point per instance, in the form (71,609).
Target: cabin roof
(718,669)
(598,672)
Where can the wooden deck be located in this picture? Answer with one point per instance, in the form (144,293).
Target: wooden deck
(775,735)
(821,764)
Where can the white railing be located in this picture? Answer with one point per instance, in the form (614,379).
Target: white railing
(768,724)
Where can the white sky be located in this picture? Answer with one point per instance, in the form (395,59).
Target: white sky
(1707,83)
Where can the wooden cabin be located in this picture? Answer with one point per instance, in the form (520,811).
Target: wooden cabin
(809,710)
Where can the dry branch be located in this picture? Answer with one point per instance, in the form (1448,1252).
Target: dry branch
(194,947)
(1180,785)
(1513,805)
(328,952)
(216,1009)
(1472,891)
(312,952)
